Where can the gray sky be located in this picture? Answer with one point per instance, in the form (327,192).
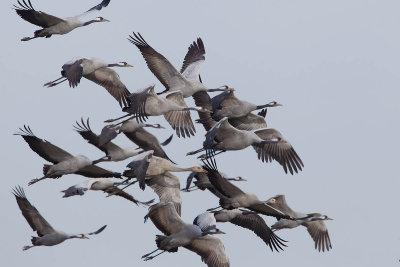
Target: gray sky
(334,65)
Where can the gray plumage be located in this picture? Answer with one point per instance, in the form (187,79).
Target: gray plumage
(152,166)
(51,24)
(314,222)
(103,184)
(171,105)
(187,82)
(64,162)
(47,235)
(234,198)
(181,234)
(113,152)
(268,143)
(228,105)
(167,187)
(253,222)
(202,182)
(97,71)
(136,132)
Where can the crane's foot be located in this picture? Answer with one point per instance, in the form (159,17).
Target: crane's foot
(27,247)
(33,181)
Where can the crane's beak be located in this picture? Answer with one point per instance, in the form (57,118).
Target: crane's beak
(327,218)
(219,232)
(129,65)
(203,170)
(106,20)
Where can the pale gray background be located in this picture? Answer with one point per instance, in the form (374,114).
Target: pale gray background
(333,64)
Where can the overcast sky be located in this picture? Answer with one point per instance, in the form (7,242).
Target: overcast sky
(334,65)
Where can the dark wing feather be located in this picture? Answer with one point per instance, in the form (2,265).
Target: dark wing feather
(93,171)
(193,60)
(31,214)
(109,79)
(26,11)
(281,151)
(255,223)
(202,99)
(222,184)
(196,52)
(157,63)
(73,72)
(320,235)
(43,148)
(103,3)
(180,121)
(113,190)
(84,130)
(137,103)
(211,250)
(219,99)
(147,141)
(139,166)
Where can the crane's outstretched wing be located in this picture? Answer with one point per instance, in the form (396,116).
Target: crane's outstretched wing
(73,71)
(147,141)
(221,184)
(113,190)
(211,250)
(43,148)
(193,61)
(31,214)
(224,99)
(139,167)
(255,223)
(78,189)
(281,151)
(94,9)
(167,187)
(320,235)
(165,218)
(86,132)
(26,11)
(249,122)
(180,121)
(157,63)
(137,103)
(93,171)
(109,79)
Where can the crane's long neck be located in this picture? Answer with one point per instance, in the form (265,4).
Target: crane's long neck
(89,22)
(262,106)
(199,109)
(178,169)
(114,65)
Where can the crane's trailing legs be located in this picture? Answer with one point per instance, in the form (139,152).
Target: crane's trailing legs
(112,120)
(28,38)
(147,256)
(33,181)
(27,247)
(54,83)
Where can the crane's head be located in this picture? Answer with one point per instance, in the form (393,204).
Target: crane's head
(274,104)
(124,64)
(198,169)
(82,236)
(101,19)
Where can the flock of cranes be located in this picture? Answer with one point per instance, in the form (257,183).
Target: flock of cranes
(229,124)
